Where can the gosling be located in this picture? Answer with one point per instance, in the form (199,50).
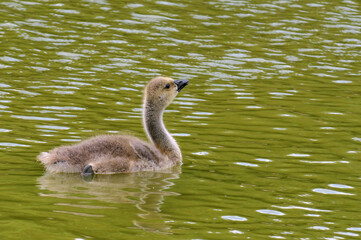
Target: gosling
(109,154)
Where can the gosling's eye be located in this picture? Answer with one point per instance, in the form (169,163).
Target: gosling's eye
(167,86)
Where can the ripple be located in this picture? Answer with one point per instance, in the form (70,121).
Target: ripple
(135,31)
(171,4)
(150,18)
(70,140)
(27,92)
(319,228)
(281,94)
(52,127)
(334,113)
(34,118)
(48,39)
(302,208)
(342,81)
(64,92)
(236,232)
(200,153)
(13,5)
(324,162)
(246,164)
(299,155)
(9,59)
(287,115)
(40,69)
(271,212)
(348,234)
(263,159)
(253,107)
(277,237)
(356,139)
(67,11)
(79,214)
(71,55)
(327,128)
(2,66)
(9,144)
(328,191)
(64,108)
(3,130)
(181,134)
(340,186)
(356,229)
(29,140)
(203,113)
(235,218)
(134,5)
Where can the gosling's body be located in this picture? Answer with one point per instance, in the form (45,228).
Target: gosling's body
(107,154)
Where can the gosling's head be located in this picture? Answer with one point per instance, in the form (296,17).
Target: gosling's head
(161,91)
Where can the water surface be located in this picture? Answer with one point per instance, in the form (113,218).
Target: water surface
(268,127)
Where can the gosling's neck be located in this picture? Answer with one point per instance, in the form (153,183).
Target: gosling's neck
(158,134)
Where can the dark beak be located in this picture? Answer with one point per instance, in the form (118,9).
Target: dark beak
(181,84)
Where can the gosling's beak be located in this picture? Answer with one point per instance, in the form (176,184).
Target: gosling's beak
(181,84)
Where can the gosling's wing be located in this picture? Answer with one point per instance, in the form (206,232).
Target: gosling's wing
(145,151)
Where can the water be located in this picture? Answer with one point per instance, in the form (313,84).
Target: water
(268,127)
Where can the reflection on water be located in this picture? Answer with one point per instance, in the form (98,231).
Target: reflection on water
(268,127)
(145,190)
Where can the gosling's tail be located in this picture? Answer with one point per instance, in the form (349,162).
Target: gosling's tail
(53,165)
(44,158)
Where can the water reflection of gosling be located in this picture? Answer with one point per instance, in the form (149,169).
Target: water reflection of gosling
(107,154)
(146,190)
(140,188)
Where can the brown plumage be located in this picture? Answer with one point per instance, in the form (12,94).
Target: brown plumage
(107,154)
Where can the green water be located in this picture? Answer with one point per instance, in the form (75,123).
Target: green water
(269,125)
